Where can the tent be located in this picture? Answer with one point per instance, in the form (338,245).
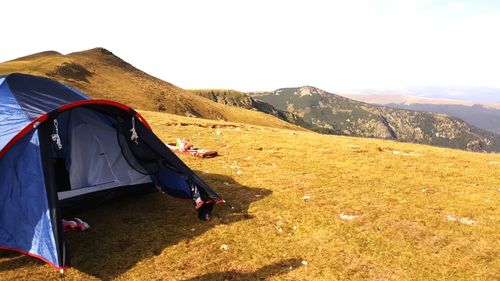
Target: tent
(59,150)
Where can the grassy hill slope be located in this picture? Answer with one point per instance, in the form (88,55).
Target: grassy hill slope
(300,206)
(102,75)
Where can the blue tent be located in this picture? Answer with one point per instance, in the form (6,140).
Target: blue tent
(59,149)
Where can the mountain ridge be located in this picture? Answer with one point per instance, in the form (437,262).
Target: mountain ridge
(101,74)
(340,115)
(242,100)
(484,116)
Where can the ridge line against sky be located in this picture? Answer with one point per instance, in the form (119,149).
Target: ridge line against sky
(265,45)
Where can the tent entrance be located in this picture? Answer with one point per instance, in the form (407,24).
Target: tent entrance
(90,159)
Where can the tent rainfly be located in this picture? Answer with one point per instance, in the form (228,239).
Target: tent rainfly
(60,149)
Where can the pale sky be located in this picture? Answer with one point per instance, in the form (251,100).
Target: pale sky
(265,45)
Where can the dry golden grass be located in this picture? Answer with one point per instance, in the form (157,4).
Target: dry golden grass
(102,75)
(399,196)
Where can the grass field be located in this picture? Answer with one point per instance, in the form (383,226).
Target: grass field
(300,206)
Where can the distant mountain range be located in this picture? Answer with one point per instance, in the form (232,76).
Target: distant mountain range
(339,115)
(484,116)
(481,95)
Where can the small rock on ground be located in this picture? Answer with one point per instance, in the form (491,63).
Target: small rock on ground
(347,217)
(462,220)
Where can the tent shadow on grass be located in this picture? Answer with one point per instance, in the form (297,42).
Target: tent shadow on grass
(128,231)
(263,273)
(10,260)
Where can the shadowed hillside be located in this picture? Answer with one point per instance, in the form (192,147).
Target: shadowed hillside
(484,116)
(340,115)
(477,115)
(242,100)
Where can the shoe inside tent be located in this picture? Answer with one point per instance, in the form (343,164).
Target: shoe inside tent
(61,150)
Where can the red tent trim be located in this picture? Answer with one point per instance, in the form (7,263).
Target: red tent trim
(36,122)
(35,256)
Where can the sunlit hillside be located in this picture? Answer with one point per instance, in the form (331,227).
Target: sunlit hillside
(102,75)
(300,206)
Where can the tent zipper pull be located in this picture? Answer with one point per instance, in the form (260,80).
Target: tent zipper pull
(134,136)
(55,136)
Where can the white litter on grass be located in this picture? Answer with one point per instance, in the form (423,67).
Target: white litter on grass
(218,132)
(347,217)
(226,183)
(306,197)
(429,190)
(397,152)
(462,220)
(304,263)
(410,154)
(224,247)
